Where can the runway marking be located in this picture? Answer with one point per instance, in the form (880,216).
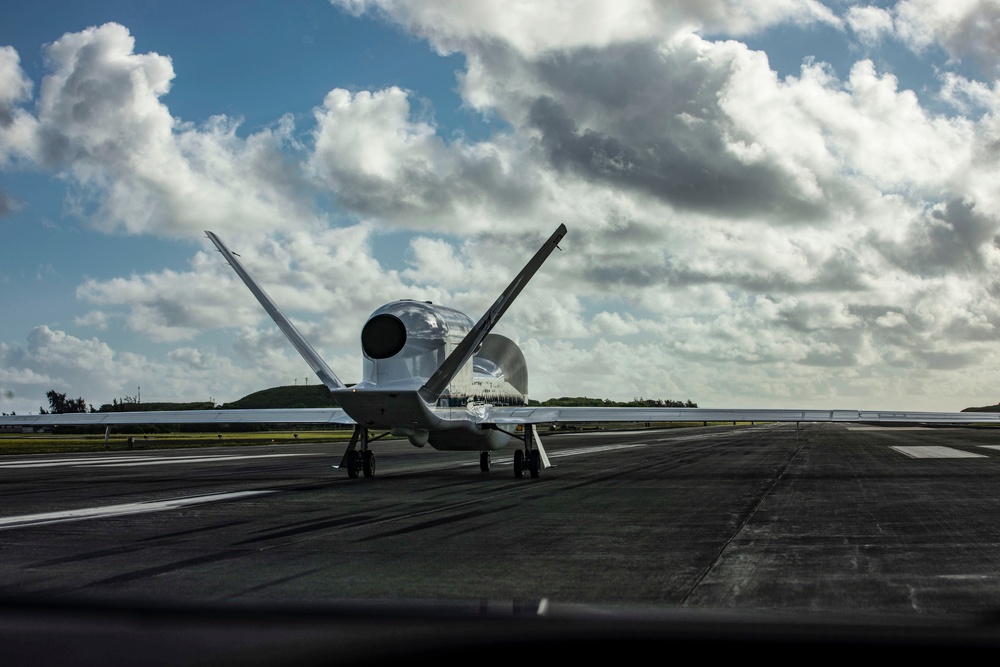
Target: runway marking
(579,451)
(702,436)
(593,450)
(997,447)
(878,427)
(121,510)
(129,461)
(935,452)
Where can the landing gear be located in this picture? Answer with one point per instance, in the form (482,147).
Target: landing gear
(534,462)
(359,458)
(532,458)
(353,463)
(484,461)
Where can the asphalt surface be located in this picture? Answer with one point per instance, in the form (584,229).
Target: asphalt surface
(857,522)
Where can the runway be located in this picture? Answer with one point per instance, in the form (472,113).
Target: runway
(766,517)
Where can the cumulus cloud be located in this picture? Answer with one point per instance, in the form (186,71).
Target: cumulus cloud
(952,238)
(662,121)
(15,87)
(381,162)
(169,306)
(968,96)
(534,28)
(806,231)
(615,324)
(965,29)
(101,120)
(53,359)
(94,318)
(17,126)
(869,23)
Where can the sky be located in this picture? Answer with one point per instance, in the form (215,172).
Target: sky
(785,203)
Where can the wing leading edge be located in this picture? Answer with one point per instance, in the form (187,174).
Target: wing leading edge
(509,416)
(269,416)
(557,415)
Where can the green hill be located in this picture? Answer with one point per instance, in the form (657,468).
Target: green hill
(985,408)
(143,407)
(295,396)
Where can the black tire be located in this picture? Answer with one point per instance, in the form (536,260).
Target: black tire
(535,462)
(518,463)
(484,461)
(353,464)
(368,462)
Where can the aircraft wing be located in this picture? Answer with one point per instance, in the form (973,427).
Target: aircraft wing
(297,340)
(270,416)
(561,415)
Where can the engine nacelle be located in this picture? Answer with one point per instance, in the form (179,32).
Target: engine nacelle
(404,341)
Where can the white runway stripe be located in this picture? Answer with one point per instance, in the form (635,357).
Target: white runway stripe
(567,452)
(120,510)
(936,452)
(593,450)
(49,463)
(201,459)
(126,461)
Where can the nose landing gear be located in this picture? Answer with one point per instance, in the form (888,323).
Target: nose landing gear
(359,459)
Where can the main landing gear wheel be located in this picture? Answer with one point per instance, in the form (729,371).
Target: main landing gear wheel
(368,463)
(484,461)
(518,463)
(353,463)
(534,462)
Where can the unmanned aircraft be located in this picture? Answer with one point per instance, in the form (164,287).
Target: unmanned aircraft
(433,376)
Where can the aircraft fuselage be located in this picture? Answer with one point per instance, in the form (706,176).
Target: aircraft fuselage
(403,343)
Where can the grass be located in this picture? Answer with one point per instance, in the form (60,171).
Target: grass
(46,443)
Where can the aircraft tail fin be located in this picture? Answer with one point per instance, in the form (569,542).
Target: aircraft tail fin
(443,376)
(303,347)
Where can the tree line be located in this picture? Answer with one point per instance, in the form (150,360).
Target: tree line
(315,396)
(584,401)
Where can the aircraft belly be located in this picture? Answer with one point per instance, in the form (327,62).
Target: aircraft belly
(468,437)
(387,409)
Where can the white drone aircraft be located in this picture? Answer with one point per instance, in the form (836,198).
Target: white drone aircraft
(433,376)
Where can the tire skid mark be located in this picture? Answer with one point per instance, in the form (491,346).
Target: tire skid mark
(195,531)
(434,523)
(101,553)
(167,568)
(342,522)
(276,582)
